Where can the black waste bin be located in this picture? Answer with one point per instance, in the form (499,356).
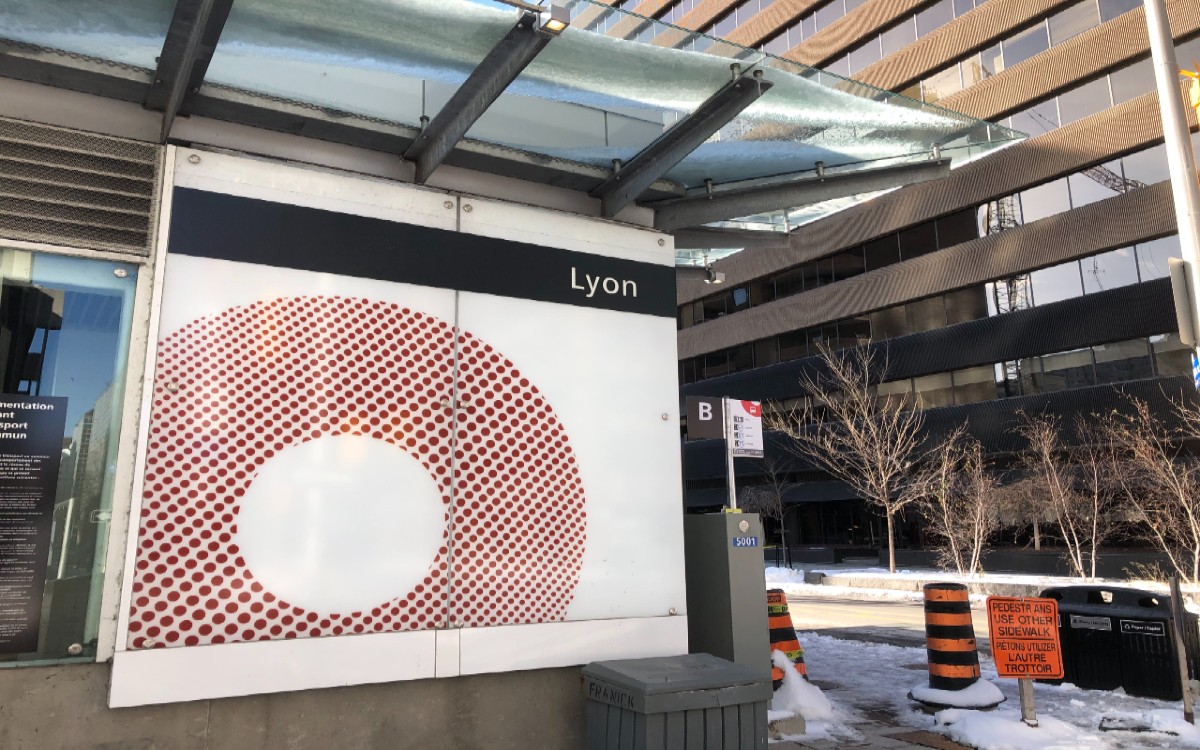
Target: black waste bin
(694,701)
(1121,638)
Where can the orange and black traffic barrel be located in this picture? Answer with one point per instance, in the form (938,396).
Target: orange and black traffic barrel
(950,637)
(783,635)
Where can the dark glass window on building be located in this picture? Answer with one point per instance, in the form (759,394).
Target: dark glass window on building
(917,241)
(848,264)
(762,291)
(854,331)
(1171,356)
(716,364)
(688,371)
(65,324)
(793,345)
(1066,370)
(882,252)
(926,314)
(965,305)
(684,316)
(1123,361)
(974,384)
(715,307)
(957,228)
(1110,270)
(766,352)
(741,358)
(889,323)
(789,282)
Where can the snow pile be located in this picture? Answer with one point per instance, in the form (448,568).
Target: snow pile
(1004,730)
(797,695)
(784,575)
(982,694)
(1162,723)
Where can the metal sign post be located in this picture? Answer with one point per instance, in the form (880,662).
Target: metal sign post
(728,421)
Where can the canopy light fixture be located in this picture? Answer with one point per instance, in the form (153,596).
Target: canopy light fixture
(559,19)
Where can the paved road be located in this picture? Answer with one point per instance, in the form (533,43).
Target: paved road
(898,623)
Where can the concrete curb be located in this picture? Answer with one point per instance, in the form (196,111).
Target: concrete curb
(981,587)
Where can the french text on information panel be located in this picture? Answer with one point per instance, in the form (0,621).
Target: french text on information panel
(1024,637)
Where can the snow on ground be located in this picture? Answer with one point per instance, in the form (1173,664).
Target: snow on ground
(860,677)
(792,582)
(983,694)
(797,696)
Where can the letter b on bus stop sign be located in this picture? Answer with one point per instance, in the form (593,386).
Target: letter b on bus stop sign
(705,420)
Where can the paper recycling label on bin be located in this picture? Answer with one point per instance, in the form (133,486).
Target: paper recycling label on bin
(1144,627)
(1024,637)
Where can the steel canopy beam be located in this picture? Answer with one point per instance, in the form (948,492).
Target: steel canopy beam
(673,214)
(191,40)
(499,68)
(632,179)
(707,238)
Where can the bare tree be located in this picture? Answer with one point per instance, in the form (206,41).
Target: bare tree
(844,428)
(958,501)
(766,499)
(1076,484)
(1021,503)
(1162,482)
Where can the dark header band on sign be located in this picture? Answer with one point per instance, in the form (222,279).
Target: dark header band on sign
(248,230)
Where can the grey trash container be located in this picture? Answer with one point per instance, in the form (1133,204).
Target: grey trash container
(689,702)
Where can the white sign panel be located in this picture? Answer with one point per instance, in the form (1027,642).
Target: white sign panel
(744,422)
(371,421)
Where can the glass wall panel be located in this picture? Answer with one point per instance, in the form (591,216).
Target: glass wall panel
(1110,9)
(848,264)
(1020,47)
(684,317)
(974,384)
(889,323)
(1122,361)
(935,17)
(926,314)
(957,228)
(1110,270)
(934,390)
(865,54)
(762,291)
(940,85)
(1084,101)
(962,7)
(992,60)
(1132,81)
(830,13)
(1029,375)
(789,282)
(882,252)
(1073,369)
(855,331)
(1171,356)
(918,240)
(966,304)
(895,393)
(1056,283)
(1038,119)
(1073,21)
(897,37)
(972,71)
(1152,257)
(793,345)
(716,364)
(766,352)
(1045,200)
(1149,166)
(1101,182)
(741,358)
(65,324)
(715,307)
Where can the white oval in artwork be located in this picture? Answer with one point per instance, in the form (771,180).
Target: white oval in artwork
(341,524)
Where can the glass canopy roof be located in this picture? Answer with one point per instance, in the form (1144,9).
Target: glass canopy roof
(589,98)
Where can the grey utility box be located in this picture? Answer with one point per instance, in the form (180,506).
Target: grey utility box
(726,589)
(689,702)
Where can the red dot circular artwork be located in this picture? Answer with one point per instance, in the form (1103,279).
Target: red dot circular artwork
(234,389)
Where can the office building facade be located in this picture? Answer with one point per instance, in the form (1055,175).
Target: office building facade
(1033,278)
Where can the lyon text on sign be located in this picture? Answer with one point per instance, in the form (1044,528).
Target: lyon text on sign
(1024,637)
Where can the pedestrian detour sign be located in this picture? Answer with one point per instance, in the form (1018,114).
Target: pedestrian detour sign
(1024,637)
